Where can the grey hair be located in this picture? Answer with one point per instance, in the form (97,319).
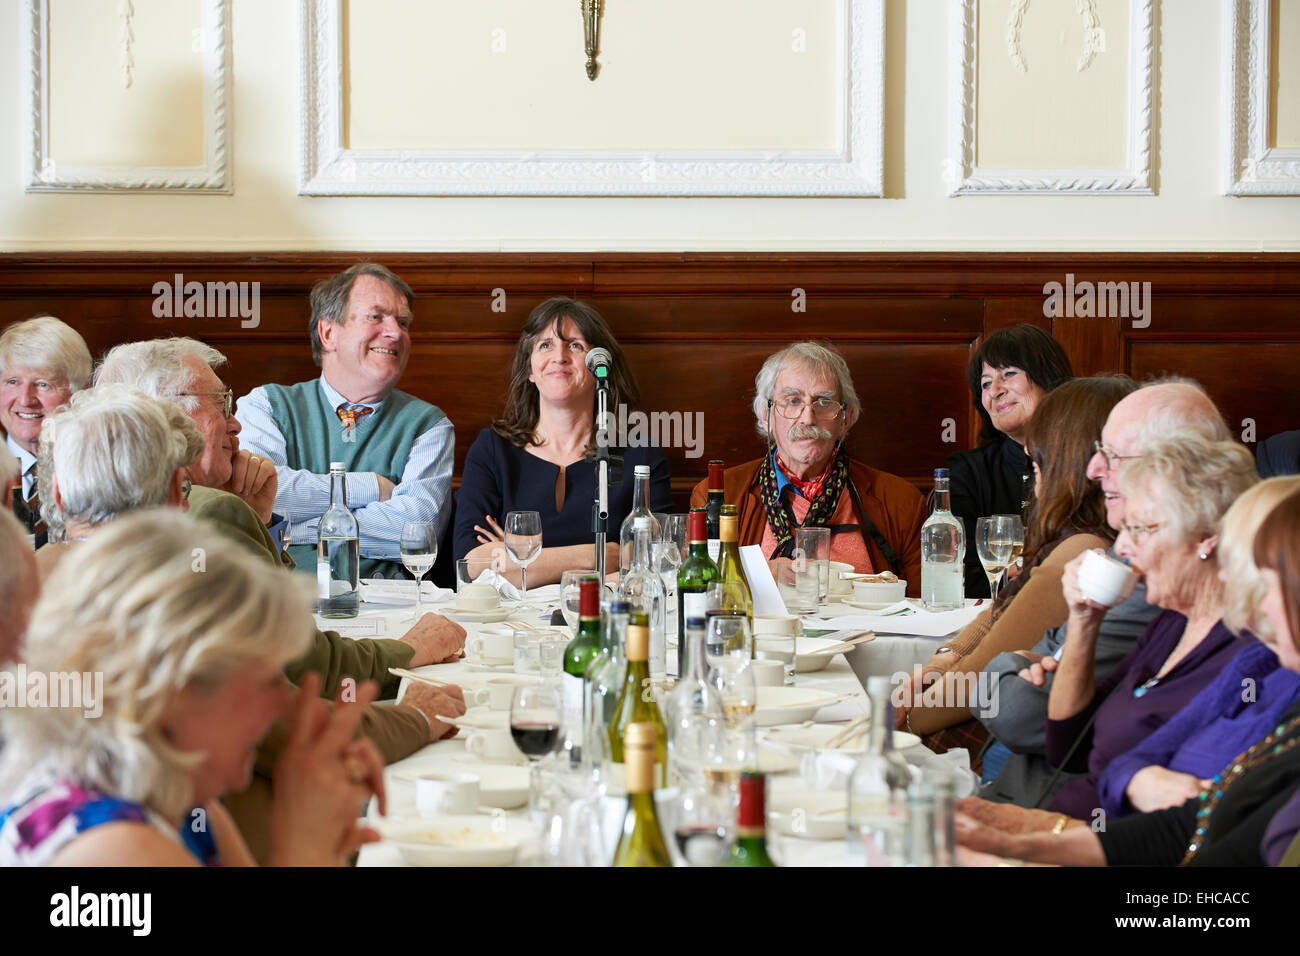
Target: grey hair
(810,356)
(1196,479)
(1180,403)
(112,449)
(48,344)
(329,298)
(18,585)
(157,367)
(130,604)
(1244,586)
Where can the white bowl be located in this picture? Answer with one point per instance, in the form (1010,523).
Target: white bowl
(468,840)
(477,598)
(810,814)
(806,661)
(790,705)
(879,592)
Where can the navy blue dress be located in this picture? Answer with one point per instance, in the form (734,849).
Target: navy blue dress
(500,477)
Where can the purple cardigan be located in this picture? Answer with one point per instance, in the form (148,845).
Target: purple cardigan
(1124,720)
(1215,727)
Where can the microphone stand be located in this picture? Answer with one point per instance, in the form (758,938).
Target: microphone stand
(609,470)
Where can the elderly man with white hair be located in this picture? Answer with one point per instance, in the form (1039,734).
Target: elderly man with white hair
(42,362)
(804,406)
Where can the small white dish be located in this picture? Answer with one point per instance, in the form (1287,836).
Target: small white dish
(478,617)
(458,840)
(802,738)
(786,705)
(500,785)
(809,814)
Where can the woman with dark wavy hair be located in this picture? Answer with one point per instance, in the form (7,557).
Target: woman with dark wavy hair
(533,456)
(1068,517)
(1008,374)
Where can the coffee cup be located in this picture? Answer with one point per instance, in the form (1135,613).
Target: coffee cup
(492,646)
(835,583)
(493,746)
(790,625)
(477,598)
(768,673)
(442,792)
(501,690)
(1104,580)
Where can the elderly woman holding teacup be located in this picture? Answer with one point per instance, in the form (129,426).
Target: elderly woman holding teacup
(1246,814)
(181,675)
(1176,496)
(534,457)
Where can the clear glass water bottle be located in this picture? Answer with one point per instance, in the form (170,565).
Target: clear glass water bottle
(644,588)
(943,552)
(878,789)
(338,553)
(640,509)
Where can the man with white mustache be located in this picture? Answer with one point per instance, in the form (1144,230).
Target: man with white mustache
(398,450)
(804,405)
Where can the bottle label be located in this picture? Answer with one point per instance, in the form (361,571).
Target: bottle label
(323,579)
(694,604)
(715,549)
(571,690)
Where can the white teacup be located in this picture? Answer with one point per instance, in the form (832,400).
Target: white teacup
(477,597)
(791,625)
(1105,580)
(494,746)
(768,673)
(492,646)
(443,792)
(501,690)
(836,584)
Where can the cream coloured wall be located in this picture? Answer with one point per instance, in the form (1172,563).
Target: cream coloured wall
(265,211)
(1285,105)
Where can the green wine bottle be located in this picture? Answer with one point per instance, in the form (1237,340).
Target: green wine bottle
(693,579)
(750,848)
(582,649)
(636,703)
(736,594)
(642,841)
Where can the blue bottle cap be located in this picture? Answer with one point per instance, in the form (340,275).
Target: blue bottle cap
(941,473)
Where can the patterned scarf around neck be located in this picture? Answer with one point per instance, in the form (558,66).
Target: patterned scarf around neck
(780,516)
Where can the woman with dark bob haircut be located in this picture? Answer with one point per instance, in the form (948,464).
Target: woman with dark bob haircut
(533,456)
(1009,374)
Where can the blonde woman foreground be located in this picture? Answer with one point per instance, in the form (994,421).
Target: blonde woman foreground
(188,636)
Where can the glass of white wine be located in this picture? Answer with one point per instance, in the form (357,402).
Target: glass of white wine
(419,544)
(524,543)
(995,541)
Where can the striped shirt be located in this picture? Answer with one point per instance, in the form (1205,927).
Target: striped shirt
(423,494)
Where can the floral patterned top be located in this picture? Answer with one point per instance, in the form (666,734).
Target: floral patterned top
(48,814)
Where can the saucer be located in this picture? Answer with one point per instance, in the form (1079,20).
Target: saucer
(478,617)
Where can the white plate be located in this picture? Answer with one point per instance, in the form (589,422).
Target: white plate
(868,605)
(816,737)
(477,617)
(500,785)
(484,718)
(478,840)
(806,662)
(789,705)
(809,814)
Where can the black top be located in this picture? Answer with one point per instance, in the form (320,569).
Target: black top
(1237,825)
(989,480)
(1279,455)
(500,477)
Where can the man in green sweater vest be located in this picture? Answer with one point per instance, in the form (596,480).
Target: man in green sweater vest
(398,450)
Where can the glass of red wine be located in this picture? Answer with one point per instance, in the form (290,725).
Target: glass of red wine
(535,722)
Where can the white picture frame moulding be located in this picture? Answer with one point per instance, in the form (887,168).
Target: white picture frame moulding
(1250,166)
(854,168)
(42,173)
(967,179)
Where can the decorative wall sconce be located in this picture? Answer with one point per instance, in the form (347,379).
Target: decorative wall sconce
(591,11)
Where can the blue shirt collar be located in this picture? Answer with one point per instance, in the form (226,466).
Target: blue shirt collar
(336,399)
(782,481)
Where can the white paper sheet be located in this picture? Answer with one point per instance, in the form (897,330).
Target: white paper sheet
(762,586)
(917,623)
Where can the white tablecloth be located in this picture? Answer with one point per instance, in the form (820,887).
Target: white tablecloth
(884,655)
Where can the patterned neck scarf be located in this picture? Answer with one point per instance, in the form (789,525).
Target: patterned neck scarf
(349,415)
(822,503)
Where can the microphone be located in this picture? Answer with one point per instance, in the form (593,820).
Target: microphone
(599,362)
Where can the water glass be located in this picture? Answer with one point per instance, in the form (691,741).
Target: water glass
(468,569)
(728,632)
(523,540)
(527,653)
(419,550)
(570,592)
(550,656)
(811,565)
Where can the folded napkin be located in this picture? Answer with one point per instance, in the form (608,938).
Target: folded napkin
(401,593)
(499,582)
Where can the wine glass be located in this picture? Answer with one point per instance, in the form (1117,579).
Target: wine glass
(727,631)
(570,594)
(535,720)
(734,679)
(1017,537)
(995,541)
(670,551)
(702,823)
(419,544)
(524,543)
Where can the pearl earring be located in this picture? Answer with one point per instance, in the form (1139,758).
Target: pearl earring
(1204,556)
